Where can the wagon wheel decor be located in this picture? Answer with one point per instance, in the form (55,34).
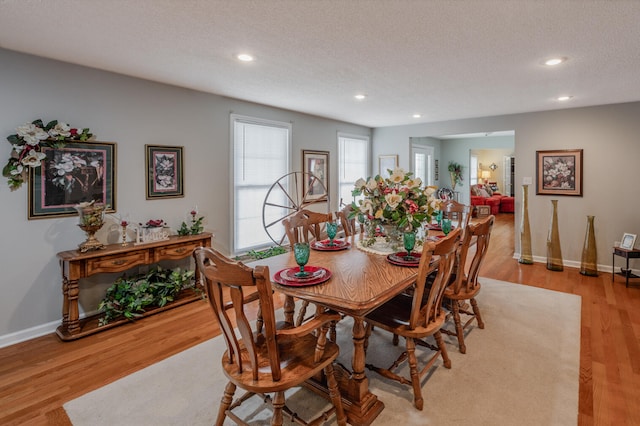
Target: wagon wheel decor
(286,197)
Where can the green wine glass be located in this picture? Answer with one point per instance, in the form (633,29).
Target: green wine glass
(301,253)
(332,230)
(409,241)
(446,226)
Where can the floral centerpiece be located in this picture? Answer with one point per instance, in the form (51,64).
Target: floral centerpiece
(27,144)
(399,200)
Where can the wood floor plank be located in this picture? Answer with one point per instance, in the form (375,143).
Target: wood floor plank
(37,377)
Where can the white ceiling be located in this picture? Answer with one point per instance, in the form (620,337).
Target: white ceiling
(444,59)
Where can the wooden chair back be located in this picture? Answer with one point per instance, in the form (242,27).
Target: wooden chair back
(427,310)
(466,280)
(348,221)
(459,213)
(224,278)
(305,225)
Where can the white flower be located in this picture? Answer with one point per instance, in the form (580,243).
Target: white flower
(398,175)
(18,170)
(372,184)
(414,183)
(393,199)
(32,134)
(360,183)
(33,159)
(366,207)
(429,191)
(60,129)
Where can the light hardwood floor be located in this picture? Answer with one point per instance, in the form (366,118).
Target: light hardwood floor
(38,376)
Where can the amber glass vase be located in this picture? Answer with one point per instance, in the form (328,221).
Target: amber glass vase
(554,252)
(589,263)
(525,231)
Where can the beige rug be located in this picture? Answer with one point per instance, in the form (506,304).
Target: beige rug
(522,369)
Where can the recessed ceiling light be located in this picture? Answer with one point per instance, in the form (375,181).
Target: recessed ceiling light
(555,61)
(244,57)
(417,115)
(360,96)
(563,98)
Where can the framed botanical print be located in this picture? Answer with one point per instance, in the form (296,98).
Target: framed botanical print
(165,174)
(315,165)
(386,163)
(559,172)
(73,173)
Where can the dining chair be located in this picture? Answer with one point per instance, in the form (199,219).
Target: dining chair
(305,226)
(464,284)
(348,221)
(459,213)
(273,360)
(414,317)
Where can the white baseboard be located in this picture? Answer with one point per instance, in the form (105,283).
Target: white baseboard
(28,334)
(575,264)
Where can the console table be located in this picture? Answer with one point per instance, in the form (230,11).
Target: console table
(117,258)
(626,272)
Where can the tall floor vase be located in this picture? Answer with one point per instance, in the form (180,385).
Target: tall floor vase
(589,263)
(554,252)
(525,231)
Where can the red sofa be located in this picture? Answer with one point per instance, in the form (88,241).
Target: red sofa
(482,195)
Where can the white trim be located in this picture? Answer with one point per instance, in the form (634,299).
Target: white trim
(28,334)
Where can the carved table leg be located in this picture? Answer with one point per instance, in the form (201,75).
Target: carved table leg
(289,308)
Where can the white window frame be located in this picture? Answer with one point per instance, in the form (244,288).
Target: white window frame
(261,122)
(429,152)
(341,164)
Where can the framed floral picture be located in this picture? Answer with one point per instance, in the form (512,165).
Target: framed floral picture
(316,164)
(164,171)
(73,173)
(559,172)
(386,163)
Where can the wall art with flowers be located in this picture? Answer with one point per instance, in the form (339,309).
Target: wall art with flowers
(559,172)
(63,167)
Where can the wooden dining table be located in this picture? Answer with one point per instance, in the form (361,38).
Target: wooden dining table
(360,282)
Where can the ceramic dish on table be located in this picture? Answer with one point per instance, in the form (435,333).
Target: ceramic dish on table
(289,276)
(402,259)
(325,245)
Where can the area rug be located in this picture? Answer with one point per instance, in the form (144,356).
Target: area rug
(522,369)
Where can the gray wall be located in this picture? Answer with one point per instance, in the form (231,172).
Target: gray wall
(608,135)
(133,113)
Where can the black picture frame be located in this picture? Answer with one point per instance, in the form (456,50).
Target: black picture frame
(165,171)
(73,173)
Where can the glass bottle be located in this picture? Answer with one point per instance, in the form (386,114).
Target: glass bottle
(525,231)
(589,263)
(554,252)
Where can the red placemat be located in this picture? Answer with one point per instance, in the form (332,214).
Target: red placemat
(316,275)
(325,245)
(434,227)
(400,259)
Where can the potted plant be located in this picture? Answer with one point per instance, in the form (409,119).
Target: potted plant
(455,172)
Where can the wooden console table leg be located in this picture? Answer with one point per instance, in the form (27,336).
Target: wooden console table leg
(73,292)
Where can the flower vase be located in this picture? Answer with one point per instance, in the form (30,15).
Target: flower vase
(393,236)
(554,252)
(525,231)
(91,219)
(589,262)
(452,175)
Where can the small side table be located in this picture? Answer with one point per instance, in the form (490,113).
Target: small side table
(626,272)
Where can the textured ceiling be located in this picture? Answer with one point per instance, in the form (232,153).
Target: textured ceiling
(443,59)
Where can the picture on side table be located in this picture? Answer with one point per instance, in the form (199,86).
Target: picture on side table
(559,172)
(315,163)
(74,173)
(164,171)
(628,241)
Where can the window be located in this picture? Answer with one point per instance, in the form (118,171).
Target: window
(353,159)
(422,163)
(260,157)
(473,170)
